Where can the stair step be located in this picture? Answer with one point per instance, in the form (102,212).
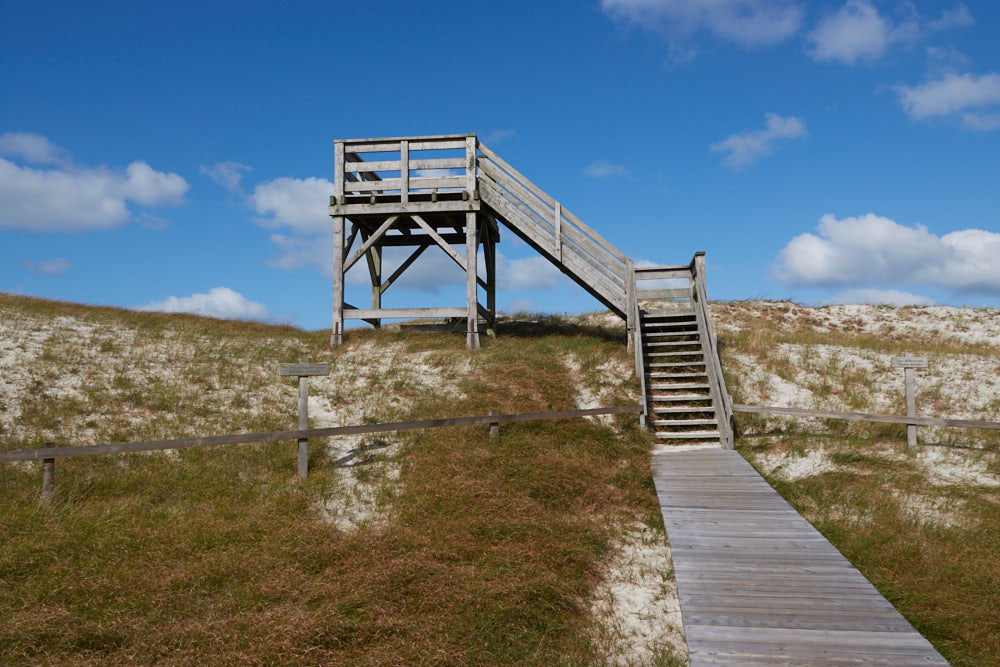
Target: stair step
(678,385)
(684,409)
(662,376)
(674,343)
(668,312)
(674,364)
(669,334)
(690,435)
(681,353)
(680,397)
(683,422)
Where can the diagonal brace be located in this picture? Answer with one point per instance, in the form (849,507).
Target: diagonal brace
(372,240)
(440,241)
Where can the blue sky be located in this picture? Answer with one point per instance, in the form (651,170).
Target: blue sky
(177,155)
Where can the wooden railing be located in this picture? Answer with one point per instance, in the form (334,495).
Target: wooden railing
(710,346)
(396,171)
(48,455)
(598,266)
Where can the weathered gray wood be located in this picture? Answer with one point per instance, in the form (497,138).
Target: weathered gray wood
(337,328)
(867,417)
(717,378)
(338,171)
(249,438)
(391,207)
(470,165)
(540,213)
(600,240)
(381,185)
(451,252)
(757,584)
(303,443)
(303,369)
(631,304)
(494,426)
(372,240)
(471,286)
(404,313)
(911,406)
(48,478)
(682,293)
(427,182)
(403,267)
(582,273)
(404,175)
(662,272)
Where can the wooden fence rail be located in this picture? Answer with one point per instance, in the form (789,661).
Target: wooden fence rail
(48,455)
(864,416)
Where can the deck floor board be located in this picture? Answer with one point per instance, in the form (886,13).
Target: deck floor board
(758,585)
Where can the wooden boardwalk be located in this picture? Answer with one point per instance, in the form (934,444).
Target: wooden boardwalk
(758,585)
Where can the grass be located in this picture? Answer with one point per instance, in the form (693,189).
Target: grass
(481,551)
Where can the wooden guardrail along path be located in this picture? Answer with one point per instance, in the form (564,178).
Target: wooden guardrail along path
(758,585)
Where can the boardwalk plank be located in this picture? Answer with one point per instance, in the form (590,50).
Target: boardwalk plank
(758,585)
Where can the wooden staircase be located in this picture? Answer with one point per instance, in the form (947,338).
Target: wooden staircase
(683,389)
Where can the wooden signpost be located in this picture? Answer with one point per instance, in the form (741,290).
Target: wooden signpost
(909,364)
(303,370)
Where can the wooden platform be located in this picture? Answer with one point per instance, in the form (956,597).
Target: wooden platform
(758,585)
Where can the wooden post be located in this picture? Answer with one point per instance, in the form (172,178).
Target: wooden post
(303,424)
(909,364)
(490,253)
(404,173)
(337,330)
(471,286)
(303,370)
(48,477)
(494,427)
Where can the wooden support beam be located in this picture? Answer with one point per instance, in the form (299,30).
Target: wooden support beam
(440,241)
(630,299)
(395,240)
(403,267)
(337,329)
(374,238)
(338,172)
(374,258)
(349,243)
(471,269)
(404,313)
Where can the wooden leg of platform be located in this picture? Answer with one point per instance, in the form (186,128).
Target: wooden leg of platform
(337,330)
(471,286)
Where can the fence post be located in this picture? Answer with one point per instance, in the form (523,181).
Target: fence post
(303,370)
(48,477)
(494,426)
(909,364)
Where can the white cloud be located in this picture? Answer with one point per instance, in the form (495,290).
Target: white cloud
(859,32)
(227,174)
(873,250)
(854,32)
(498,136)
(299,203)
(220,302)
(744,22)
(74,198)
(746,148)
(881,297)
(959,17)
(529,273)
(48,267)
(604,169)
(973,99)
(32,148)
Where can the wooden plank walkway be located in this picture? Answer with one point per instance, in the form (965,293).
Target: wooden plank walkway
(758,585)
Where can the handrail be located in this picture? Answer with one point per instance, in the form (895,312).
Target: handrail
(640,366)
(717,381)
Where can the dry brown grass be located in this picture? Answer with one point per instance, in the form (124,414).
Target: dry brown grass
(487,552)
